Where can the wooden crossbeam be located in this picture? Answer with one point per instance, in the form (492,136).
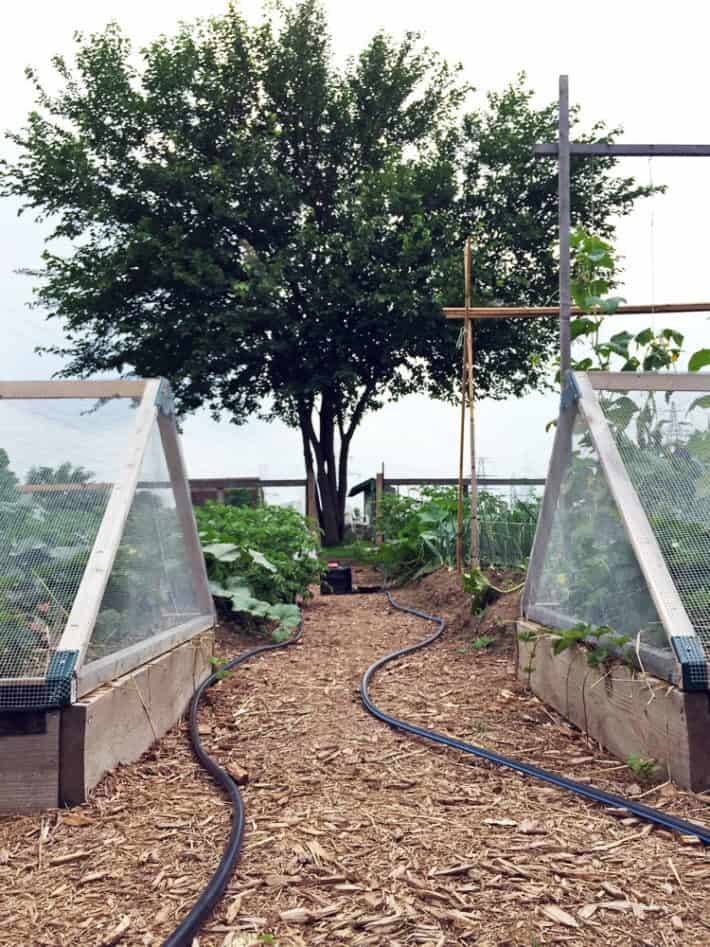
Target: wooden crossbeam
(527,312)
(614,150)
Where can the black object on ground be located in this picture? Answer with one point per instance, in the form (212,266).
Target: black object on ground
(338,580)
(184,934)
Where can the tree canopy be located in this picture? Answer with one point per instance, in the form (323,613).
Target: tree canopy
(276,234)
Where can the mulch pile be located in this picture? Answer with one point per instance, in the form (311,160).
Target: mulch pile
(357,835)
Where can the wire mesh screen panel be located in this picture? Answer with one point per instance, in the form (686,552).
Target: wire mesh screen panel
(664,441)
(151,587)
(590,574)
(59,459)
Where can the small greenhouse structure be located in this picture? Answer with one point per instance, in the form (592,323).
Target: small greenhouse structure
(623,539)
(101,569)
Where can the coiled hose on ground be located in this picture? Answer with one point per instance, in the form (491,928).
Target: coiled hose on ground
(183,935)
(647,813)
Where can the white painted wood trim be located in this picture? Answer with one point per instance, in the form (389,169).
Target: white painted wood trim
(87,603)
(113,666)
(648,381)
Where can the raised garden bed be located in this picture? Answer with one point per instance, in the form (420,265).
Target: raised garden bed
(630,713)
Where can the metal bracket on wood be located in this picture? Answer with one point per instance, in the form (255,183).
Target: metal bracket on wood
(164,400)
(570,392)
(692,661)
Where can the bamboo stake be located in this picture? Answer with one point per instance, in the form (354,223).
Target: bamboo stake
(459,518)
(475,551)
(468,342)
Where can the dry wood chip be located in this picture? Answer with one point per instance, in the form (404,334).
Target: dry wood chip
(71,857)
(296,916)
(677,923)
(453,871)
(92,876)
(587,911)
(559,916)
(235,906)
(237,939)
(76,819)
(117,933)
(238,773)
(457,918)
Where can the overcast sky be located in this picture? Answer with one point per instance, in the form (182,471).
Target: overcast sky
(638,64)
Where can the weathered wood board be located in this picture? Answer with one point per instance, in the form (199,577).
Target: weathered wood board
(29,761)
(625,711)
(119,721)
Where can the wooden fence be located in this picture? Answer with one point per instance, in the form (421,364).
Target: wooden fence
(217,488)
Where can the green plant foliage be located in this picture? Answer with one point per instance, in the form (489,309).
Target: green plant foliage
(482,642)
(273,550)
(219,667)
(595,272)
(262,584)
(420,532)
(477,586)
(527,636)
(641,766)
(292,225)
(359,552)
(238,496)
(598,641)
(699,360)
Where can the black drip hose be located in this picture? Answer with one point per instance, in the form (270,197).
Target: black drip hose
(648,814)
(183,935)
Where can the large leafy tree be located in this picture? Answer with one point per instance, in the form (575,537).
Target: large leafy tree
(276,235)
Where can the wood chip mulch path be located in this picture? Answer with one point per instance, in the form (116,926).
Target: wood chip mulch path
(357,835)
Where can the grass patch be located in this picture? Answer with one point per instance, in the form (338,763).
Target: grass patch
(357,553)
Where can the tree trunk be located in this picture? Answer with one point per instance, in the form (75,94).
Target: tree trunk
(330,465)
(330,494)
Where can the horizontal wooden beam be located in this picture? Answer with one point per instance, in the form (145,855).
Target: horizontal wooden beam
(532,312)
(112,666)
(453,481)
(227,483)
(649,381)
(612,150)
(120,388)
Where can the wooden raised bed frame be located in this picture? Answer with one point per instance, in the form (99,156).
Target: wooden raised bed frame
(124,702)
(627,712)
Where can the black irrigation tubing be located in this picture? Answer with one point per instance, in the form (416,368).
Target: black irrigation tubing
(647,813)
(183,935)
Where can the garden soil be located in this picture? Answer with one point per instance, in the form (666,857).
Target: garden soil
(358,835)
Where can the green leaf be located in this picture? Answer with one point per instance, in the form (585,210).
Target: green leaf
(222,552)
(261,560)
(702,402)
(644,336)
(581,326)
(619,343)
(611,304)
(699,360)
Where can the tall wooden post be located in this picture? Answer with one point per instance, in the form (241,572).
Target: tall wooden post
(564,225)
(379,491)
(468,345)
(462,437)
